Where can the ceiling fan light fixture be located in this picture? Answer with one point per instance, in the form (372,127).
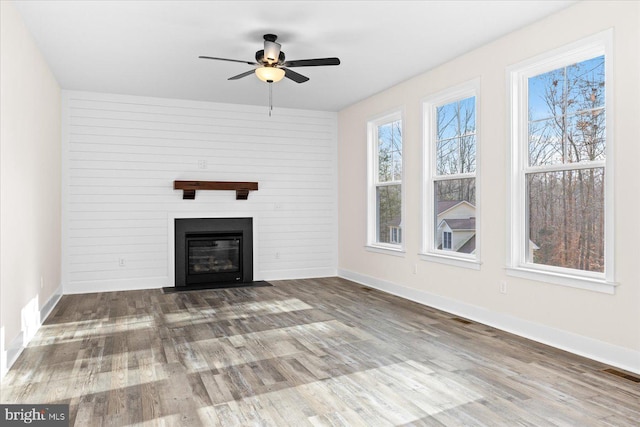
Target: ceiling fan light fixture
(271,51)
(270,74)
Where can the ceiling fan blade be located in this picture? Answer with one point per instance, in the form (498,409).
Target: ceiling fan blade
(241,75)
(296,77)
(227,59)
(312,62)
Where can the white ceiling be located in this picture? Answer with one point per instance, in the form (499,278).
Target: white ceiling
(151,48)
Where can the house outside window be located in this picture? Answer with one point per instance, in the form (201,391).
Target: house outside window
(385,201)
(450,168)
(561,211)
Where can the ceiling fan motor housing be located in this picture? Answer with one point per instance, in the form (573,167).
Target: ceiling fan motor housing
(262,60)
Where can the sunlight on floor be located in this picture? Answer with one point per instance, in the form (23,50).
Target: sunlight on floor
(231,350)
(239,311)
(52,334)
(361,398)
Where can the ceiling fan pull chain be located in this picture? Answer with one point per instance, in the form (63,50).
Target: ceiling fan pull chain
(270,98)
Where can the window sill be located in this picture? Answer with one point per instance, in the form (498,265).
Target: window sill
(472,264)
(388,250)
(587,283)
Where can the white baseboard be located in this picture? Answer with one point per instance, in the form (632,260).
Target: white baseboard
(600,351)
(112,285)
(304,273)
(18,344)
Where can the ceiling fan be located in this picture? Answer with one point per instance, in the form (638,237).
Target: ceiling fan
(271,65)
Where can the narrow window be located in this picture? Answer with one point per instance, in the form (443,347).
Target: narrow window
(385,178)
(450,169)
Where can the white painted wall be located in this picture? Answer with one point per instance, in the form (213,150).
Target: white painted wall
(29,186)
(121,155)
(601,326)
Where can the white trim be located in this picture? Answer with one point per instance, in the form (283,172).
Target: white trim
(19,343)
(457,260)
(372,173)
(294,274)
(517,82)
(429,252)
(64,184)
(610,354)
(590,284)
(113,285)
(12,352)
(387,250)
(565,167)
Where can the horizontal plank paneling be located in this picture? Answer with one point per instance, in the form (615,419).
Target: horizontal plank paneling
(122,153)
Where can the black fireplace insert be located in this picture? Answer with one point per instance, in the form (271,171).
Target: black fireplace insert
(213,251)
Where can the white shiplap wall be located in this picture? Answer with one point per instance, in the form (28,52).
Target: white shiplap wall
(121,155)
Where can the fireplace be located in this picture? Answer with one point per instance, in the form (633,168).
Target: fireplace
(213,251)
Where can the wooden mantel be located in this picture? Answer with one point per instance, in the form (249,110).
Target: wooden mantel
(189,188)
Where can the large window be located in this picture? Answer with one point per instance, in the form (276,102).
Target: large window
(560,152)
(385,182)
(450,176)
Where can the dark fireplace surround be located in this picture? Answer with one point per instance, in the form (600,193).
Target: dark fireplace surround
(213,251)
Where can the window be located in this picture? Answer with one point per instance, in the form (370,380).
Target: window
(560,216)
(451,211)
(385,182)
(446,240)
(396,235)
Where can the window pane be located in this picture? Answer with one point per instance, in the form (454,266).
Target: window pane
(546,94)
(546,145)
(390,152)
(468,154)
(586,137)
(455,201)
(585,85)
(447,121)
(467,115)
(389,209)
(566,219)
(456,139)
(566,114)
(447,156)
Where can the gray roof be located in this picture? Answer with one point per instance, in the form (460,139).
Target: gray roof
(469,246)
(461,224)
(444,205)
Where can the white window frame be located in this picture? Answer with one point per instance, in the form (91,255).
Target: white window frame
(517,78)
(372,179)
(429,251)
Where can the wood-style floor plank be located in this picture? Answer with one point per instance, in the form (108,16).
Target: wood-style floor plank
(315,352)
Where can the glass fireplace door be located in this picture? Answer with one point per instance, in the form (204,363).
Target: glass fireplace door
(214,258)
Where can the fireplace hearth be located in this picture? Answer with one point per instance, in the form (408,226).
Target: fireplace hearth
(213,251)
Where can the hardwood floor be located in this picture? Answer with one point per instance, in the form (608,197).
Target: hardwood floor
(322,352)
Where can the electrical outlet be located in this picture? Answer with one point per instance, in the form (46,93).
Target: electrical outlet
(121,262)
(277,255)
(202,164)
(415,268)
(503,287)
